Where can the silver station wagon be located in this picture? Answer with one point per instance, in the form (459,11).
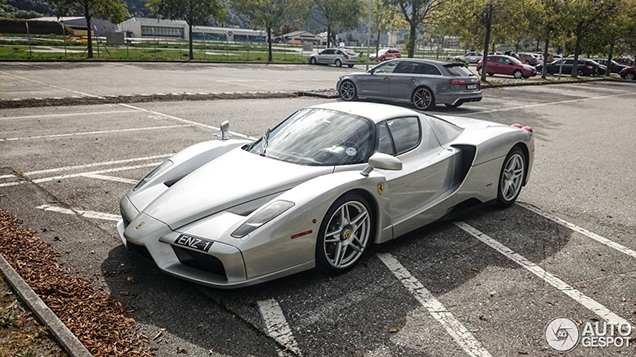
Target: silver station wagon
(337,56)
(424,83)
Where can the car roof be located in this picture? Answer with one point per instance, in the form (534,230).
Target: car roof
(374,111)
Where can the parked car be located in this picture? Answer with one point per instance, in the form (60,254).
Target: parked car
(518,57)
(471,57)
(625,61)
(337,56)
(585,67)
(385,55)
(424,83)
(614,66)
(317,191)
(628,73)
(508,65)
(530,58)
(550,57)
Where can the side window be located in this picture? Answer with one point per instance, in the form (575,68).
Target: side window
(339,52)
(327,52)
(503,60)
(385,142)
(424,68)
(492,59)
(569,61)
(405,67)
(388,67)
(405,132)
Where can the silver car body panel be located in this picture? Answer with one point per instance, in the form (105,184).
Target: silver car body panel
(232,185)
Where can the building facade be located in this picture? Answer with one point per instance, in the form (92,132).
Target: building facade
(178,29)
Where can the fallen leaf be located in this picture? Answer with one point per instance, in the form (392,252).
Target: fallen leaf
(474,269)
(493,293)
(394,330)
(124,293)
(483,318)
(419,345)
(131,320)
(159,333)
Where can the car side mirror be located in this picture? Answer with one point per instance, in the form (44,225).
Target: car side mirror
(382,161)
(371,71)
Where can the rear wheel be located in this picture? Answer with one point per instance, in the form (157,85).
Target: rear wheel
(517,74)
(580,72)
(423,98)
(511,178)
(348,91)
(491,74)
(338,63)
(344,234)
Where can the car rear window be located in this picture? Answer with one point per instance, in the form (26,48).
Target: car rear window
(459,71)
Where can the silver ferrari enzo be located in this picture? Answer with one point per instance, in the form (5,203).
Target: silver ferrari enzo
(317,190)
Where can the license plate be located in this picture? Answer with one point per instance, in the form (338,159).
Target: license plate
(193,242)
(471,86)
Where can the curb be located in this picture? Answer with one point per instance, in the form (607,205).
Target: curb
(62,334)
(541,83)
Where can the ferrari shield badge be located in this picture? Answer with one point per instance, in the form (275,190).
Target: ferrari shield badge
(380,188)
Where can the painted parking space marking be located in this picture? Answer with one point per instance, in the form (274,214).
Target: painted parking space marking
(456,329)
(549,278)
(65,115)
(277,326)
(50,85)
(185,120)
(67,176)
(546,104)
(111,178)
(54,136)
(86,214)
(85,166)
(581,230)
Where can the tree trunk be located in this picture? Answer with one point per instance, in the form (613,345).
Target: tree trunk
(328,36)
(484,58)
(544,70)
(577,51)
(377,46)
(88,16)
(190,37)
(608,72)
(411,44)
(269,44)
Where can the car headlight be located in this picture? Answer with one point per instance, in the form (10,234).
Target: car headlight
(159,169)
(265,215)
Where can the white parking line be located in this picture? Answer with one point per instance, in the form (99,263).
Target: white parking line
(277,326)
(546,104)
(186,121)
(581,230)
(77,167)
(61,177)
(97,132)
(454,328)
(66,115)
(551,279)
(111,178)
(50,85)
(87,214)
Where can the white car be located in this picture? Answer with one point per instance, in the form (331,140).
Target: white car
(471,57)
(336,56)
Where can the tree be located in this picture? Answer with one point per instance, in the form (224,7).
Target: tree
(194,12)
(384,17)
(339,13)
(269,14)
(414,12)
(115,10)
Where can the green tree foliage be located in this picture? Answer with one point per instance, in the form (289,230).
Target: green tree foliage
(114,10)
(271,14)
(414,13)
(385,16)
(340,14)
(194,12)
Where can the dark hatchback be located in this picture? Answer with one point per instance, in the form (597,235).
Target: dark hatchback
(615,67)
(585,67)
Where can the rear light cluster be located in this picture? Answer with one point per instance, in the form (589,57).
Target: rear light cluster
(589,67)
(526,128)
(345,56)
(454,82)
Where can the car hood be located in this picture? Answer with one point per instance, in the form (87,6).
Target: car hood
(529,68)
(232,179)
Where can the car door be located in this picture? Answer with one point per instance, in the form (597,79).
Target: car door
(492,66)
(426,174)
(408,75)
(375,83)
(326,56)
(504,65)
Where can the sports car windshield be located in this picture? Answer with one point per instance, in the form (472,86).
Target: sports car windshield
(319,137)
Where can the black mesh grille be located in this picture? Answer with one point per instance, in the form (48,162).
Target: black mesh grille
(200,261)
(140,249)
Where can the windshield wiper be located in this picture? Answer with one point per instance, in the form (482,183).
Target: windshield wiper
(265,142)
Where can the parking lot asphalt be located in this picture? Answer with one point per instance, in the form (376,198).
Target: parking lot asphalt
(451,289)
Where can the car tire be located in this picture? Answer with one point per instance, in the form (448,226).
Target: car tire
(491,74)
(338,63)
(580,72)
(382,59)
(423,98)
(348,91)
(350,65)
(341,242)
(312,60)
(511,177)
(629,76)
(479,71)
(517,74)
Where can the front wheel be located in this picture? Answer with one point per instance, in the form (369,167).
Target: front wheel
(312,60)
(338,63)
(511,178)
(629,76)
(344,234)
(423,98)
(580,72)
(348,91)
(517,74)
